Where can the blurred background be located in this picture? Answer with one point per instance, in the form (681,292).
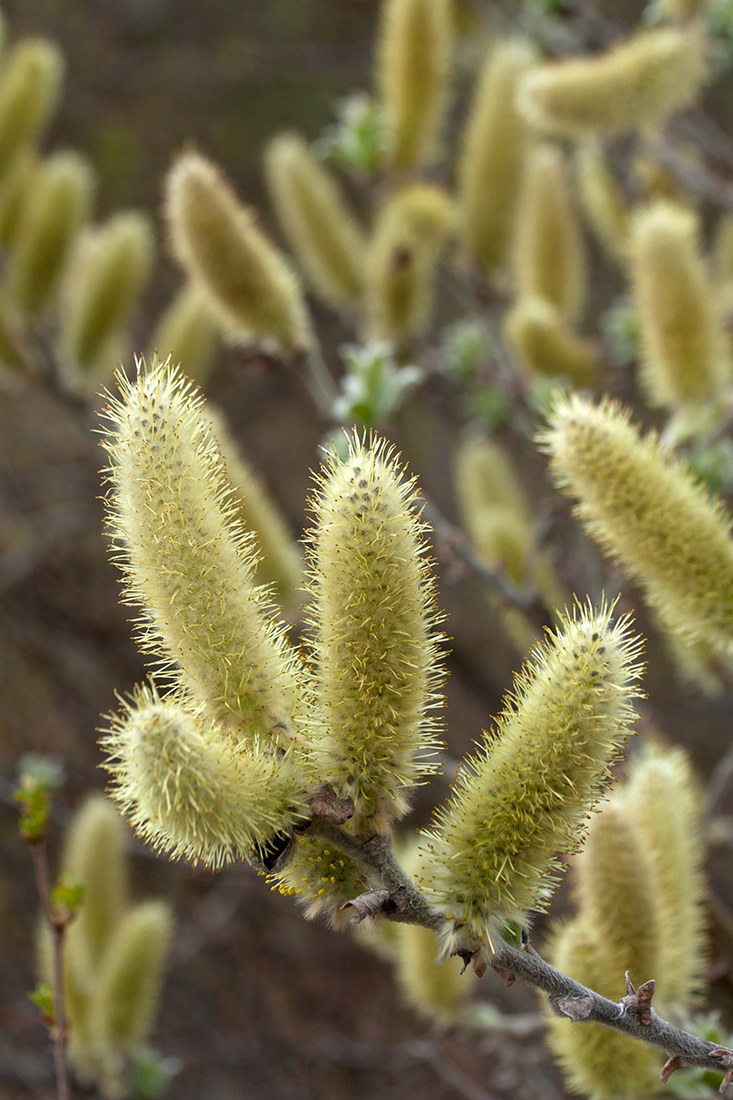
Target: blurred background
(258,1002)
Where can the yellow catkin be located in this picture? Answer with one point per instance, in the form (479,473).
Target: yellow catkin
(413,59)
(492,159)
(549,255)
(320,229)
(597,1061)
(374,640)
(15,187)
(129,982)
(644,508)
(603,202)
(190,564)
(662,798)
(685,358)
(492,854)
(95,853)
(191,790)
(188,332)
(58,205)
(634,85)
(411,232)
(545,345)
(248,284)
(105,278)
(281,563)
(30,86)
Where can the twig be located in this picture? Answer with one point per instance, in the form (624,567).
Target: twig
(632,1015)
(56,928)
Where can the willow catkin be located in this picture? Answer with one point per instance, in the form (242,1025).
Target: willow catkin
(544,344)
(413,59)
(320,229)
(411,232)
(492,853)
(188,332)
(549,252)
(249,285)
(375,646)
(602,201)
(685,357)
(645,509)
(632,86)
(490,168)
(30,86)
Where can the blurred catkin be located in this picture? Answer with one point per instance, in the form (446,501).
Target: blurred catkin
(281,563)
(492,852)
(685,357)
(413,60)
(30,86)
(545,344)
(249,285)
(128,985)
(106,275)
(597,1061)
(15,187)
(412,230)
(635,85)
(320,229)
(662,799)
(58,205)
(492,159)
(549,253)
(647,511)
(603,202)
(188,333)
(95,853)
(375,646)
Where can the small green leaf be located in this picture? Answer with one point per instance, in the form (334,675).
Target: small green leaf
(44,998)
(66,897)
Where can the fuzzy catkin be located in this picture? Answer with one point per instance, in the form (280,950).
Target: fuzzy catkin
(645,509)
(192,791)
(603,202)
(128,985)
(188,333)
(685,358)
(322,878)
(189,563)
(58,205)
(545,345)
(94,852)
(597,1061)
(492,852)
(549,252)
(634,85)
(413,58)
(411,232)
(661,799)
(374,642)
(29,91)
(492,159)
(248,284)
(312,211)
(107,272)
(15,187)
(281,563)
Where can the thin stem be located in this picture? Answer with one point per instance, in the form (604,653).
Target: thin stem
(58,1030)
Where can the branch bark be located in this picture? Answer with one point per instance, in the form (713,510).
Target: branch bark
(632,1015)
